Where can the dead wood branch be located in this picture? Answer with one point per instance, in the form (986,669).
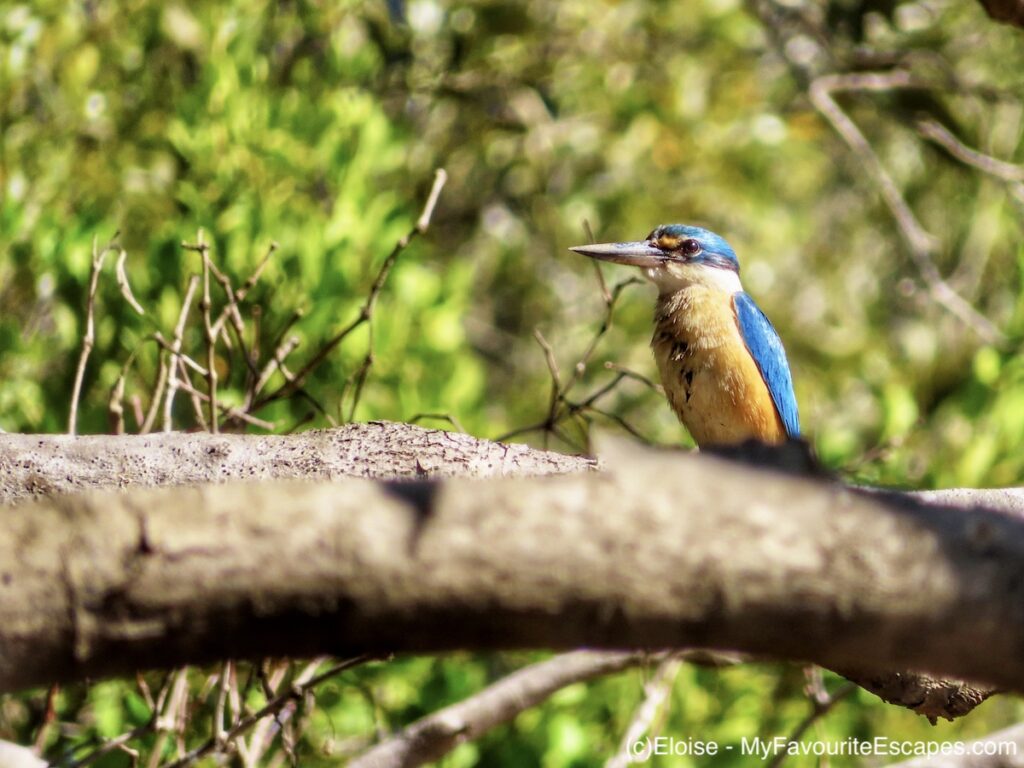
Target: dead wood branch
(663,550)
(437,734)
(33,466)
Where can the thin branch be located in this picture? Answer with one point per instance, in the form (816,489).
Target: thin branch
(296,691)
(49,717)
(935,131)
(920,243)
(115,404)
(263,733)
(222,701)
(820,706)
(136,403)
(156,397)
(181,356)
(366,311)
(431,737)
(172,364)
(631,374)
(600,392)
(205,307)
(556,378)
(237,324)
(114,743)
(422,224)
(122,282)
(156,707)
(359,377)
(247,286)
(185,382)
(275,363)
(229,411)
(613,417)
(610,302)
(560,407)
(656,691)
(89,337)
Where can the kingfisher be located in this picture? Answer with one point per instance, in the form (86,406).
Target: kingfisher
(721,361)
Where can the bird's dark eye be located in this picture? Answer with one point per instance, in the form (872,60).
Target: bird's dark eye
(691,247)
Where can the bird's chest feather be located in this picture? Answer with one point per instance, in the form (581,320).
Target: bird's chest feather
(711,381)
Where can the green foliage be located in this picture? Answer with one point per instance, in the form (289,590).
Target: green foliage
(318,126)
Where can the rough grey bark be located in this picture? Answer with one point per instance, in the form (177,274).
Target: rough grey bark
(33,466)
(928,696)
(661,550)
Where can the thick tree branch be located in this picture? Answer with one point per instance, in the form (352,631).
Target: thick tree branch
(663,550)
(33,466)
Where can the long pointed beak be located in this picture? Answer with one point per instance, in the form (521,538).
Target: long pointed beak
(638,254)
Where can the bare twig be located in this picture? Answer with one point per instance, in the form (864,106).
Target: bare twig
(237,323)
(275,363)
(359,377)
(170,718)
(206,307)
(156,397)
(181,356)
(136,403)
(49,716)
(172,364)
(610,301)
(422,224)
(185,382)
(921,244)
(226,671)
(247,286)
(820,706)
(937,132)
(122,282)
(366,312)
(263,732)
(560,407)
(631,374)
(117,742)
(295,691)
(115,405)
(656,691)
(556,378)
(613,417)
(433,736)
(229,412)
(89,337)
(145,691)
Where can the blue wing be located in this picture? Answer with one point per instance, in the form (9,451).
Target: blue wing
(765,347)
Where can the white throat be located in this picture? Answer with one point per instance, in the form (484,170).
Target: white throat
(674,277)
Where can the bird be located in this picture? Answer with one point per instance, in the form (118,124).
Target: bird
(721,361)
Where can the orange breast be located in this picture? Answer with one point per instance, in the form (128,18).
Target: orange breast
(712,382)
